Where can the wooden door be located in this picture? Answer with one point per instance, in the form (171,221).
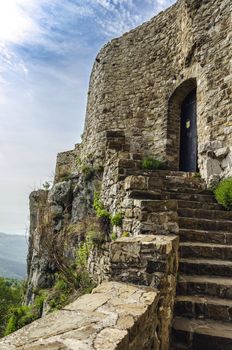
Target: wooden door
(188,134)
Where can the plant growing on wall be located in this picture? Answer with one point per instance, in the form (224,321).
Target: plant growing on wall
(223,193)
(150,163)
(65,176)
(116,220)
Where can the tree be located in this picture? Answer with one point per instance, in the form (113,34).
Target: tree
(10,296)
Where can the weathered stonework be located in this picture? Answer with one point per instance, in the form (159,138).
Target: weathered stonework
(115,316)
(151,261)
(66,163)
(136,76)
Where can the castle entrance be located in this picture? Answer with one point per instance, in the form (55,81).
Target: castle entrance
(188,134)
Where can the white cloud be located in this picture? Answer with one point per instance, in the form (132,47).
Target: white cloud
(15,23)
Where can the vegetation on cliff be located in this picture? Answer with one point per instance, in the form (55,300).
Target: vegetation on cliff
(10,297)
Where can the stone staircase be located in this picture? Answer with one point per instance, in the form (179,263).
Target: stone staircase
(203,307)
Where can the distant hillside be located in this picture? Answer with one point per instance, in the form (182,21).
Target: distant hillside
(13,252)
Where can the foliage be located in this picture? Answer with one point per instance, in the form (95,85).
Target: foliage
(113,236)
(22,315)
(59,294)
(99,207)
(73,228)
(116,220)
(125,234)
(95,235)
(63,290)
(152,164)
(197,175)
(10,296)
(46,185)
(82,253)
(87,171)
(223,193)
(65,176)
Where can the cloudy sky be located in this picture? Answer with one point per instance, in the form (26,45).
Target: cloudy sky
(47,48)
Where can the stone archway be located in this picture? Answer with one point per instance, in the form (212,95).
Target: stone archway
(175,110)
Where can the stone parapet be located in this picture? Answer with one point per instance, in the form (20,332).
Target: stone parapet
(115,316)
(152,261)
(67,164)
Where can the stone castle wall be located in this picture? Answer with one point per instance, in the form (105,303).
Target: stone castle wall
(135,76)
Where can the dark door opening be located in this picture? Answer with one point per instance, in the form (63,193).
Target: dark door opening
(188,134)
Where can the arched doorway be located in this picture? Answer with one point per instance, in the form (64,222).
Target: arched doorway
(181,149)
(188,133)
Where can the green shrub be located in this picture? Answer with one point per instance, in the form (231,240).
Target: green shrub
(60,285)
(96,237)
(99,207)
(72,228)
(152,164)
(97,204)
(223,193)
(82,254)
(125,234)
(46,185)
(116,220)
(113,236)
(65,176)
(86,283)
(11,292)
(87,171)
(20,317)
(23,315)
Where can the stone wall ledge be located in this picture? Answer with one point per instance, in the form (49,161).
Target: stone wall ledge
(115,316)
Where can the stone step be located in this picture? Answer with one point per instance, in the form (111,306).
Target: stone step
(201,334)
(199,205)
(203,307)
(203,199)
(155,206)
(133,167)
(205,250)
(189,235)
(213,286)
(205,224)
(205,214)
(137,194)
(175,185)
(205,267)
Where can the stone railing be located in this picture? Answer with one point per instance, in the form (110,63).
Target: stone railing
(150,261)
(113,317)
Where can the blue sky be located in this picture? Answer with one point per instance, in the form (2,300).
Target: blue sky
(47,49)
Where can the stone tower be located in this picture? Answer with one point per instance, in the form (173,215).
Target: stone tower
(140,80)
